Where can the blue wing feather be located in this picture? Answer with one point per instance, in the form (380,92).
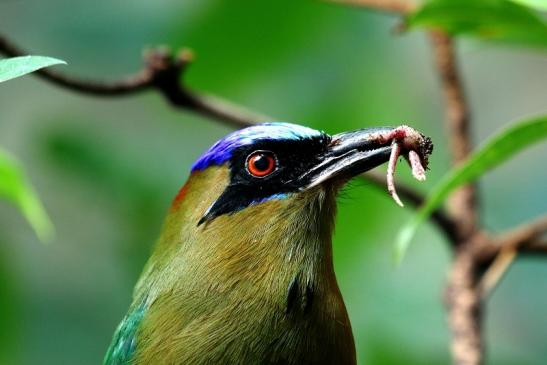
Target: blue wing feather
(124,342)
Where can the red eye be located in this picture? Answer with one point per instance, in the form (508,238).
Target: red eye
(261,163)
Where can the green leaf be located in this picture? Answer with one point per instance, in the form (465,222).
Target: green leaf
(538,4)
(15,188)
(494,152)
(11,68)
(499,20)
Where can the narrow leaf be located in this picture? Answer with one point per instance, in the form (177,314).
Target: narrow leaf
(494,152)
(11,68)
(538,4)
(15,188)
(498,20)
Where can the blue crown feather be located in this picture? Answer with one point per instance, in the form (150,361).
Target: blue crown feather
(222,151)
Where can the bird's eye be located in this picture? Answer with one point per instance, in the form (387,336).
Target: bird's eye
(261,163)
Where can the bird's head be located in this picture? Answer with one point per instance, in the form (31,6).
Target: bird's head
(267,170)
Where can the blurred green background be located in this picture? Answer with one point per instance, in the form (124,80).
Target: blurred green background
(107,169)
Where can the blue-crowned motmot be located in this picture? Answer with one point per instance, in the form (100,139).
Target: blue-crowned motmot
(242,272)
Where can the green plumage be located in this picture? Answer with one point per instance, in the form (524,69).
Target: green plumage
(124,342)
(253,287)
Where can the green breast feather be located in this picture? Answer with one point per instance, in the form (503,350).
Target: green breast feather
(124,341)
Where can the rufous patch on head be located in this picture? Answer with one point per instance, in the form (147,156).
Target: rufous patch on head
(180,196)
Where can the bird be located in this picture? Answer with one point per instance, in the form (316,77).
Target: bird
(242,272)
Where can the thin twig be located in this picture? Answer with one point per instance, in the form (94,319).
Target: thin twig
(496,271)
(162,72)
(439,217)
(525,234)
(534,248)
(525,239)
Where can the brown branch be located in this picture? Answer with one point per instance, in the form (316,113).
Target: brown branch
(467,288)
(463,293)
(162,72)
(439,217)
(128,85)
(534,248)
(496,271)
(464,307)
(524,235)
(463,202)
(525,239)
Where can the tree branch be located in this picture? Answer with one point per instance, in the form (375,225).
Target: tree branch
(525,235)
(464,309)
(496,271)
(439,217)
(463,202)
(534,248)
(162,72)
(463,296)
(528,238)
(525,239)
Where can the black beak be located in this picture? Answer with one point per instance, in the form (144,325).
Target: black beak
(350,154)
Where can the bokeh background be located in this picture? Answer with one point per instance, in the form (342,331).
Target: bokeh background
(107,169)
